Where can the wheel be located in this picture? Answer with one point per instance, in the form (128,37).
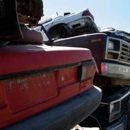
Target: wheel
(65,31)
(60,31)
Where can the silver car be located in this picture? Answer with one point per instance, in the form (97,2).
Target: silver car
(71,24)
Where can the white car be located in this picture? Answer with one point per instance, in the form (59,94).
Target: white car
(70,24)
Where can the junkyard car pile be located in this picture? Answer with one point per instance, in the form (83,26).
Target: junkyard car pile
(42,87)
(111,50)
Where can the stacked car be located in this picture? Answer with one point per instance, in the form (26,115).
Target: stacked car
(69,25)
(111,50)
(41,86)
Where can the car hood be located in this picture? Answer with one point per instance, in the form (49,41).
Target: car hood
(118,34)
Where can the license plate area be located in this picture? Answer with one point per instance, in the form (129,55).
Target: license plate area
(25,92)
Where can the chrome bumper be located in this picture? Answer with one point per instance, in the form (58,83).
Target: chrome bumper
(115,70)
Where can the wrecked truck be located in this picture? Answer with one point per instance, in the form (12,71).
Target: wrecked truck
(111,50)
(41,86)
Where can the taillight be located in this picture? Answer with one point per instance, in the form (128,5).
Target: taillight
(87,71)
(103,68)
(86,12)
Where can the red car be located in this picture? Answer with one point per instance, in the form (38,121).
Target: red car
(42,87)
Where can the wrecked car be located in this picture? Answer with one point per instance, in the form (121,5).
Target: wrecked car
(70,24)
(41,86)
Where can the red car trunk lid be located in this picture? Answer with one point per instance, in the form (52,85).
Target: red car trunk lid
(34,78)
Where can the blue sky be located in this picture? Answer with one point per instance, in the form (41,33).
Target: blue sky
(107,13)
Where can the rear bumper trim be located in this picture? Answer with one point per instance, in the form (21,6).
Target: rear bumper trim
(63,116)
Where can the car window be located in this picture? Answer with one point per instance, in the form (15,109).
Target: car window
(46,39)
(45,20)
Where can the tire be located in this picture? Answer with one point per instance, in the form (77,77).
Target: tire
(65,31)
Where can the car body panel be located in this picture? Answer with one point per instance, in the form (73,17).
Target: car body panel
(63,116)
(33,79)
(73,20)
(91,41)
(62,19)
(25,58)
